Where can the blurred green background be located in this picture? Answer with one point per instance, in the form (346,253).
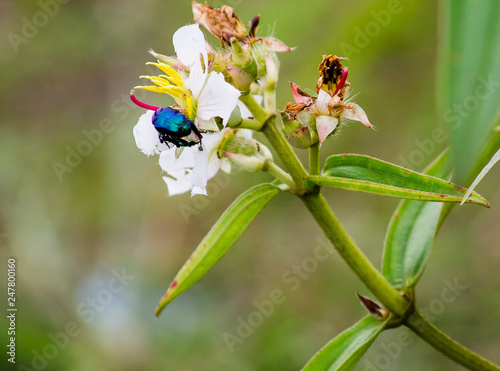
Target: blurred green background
(72,231)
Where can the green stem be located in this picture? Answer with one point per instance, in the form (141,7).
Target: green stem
(314,159)
(353,256)
(278,141)
(441,342)
(270,99)
(257,111)
(279,174)
(247,124)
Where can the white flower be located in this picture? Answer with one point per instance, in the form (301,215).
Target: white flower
(191,169)
(203,95)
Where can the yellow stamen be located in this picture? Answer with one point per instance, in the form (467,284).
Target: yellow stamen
(189,107)
(173,80)
(174,91)
(167,69)
(157,80)
(155,89)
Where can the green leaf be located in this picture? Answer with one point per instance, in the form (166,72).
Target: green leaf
(482,174)
(344,351)
(469,77)
(367,174)
(230,226)
(410,234)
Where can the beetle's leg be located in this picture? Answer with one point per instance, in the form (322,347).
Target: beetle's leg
(165,138)
(197,132)
(185,143)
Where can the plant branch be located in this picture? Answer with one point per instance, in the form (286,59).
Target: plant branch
(279,174)
(353,256)
(441,342)
(278,141)
(314,159)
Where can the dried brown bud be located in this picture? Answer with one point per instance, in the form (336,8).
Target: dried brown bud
(222,23)
(372,307)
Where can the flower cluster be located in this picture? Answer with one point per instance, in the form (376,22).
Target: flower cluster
(207,127)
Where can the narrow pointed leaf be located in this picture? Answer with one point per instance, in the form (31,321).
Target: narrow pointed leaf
(410,234)
(482,174)
(230,226)
(344,351)
(367,174)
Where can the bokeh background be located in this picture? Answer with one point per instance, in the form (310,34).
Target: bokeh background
(73,229)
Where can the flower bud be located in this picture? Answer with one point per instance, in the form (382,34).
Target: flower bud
(241,149)
(249,163)
(240,79)
(271,77)
(290,123)
(235,118)
(301,138)
(241,55)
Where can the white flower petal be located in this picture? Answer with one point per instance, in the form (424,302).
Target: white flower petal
(172,164)
(211,140)
(322,102)
(217,99)
(177,186)
(206,125)
(192,169)
(325,125)
(196,80)
(145,134)
(189,43)
(225,165)
(199,176)
(356,114)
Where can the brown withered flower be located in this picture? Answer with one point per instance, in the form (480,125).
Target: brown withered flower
(329,106)
(330,75)
(224,25)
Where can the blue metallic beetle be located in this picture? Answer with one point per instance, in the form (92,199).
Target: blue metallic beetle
(171,124)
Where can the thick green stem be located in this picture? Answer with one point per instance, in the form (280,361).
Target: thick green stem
(314,159)
(450,348)
(353,256)
(346,246)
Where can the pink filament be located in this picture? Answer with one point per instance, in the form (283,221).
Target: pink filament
(345,72)
(140,104)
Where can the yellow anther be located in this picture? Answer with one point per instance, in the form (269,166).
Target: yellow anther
(155,89)
(173,80)
(160,81)
(174,91)
(189,107)
(167,69)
